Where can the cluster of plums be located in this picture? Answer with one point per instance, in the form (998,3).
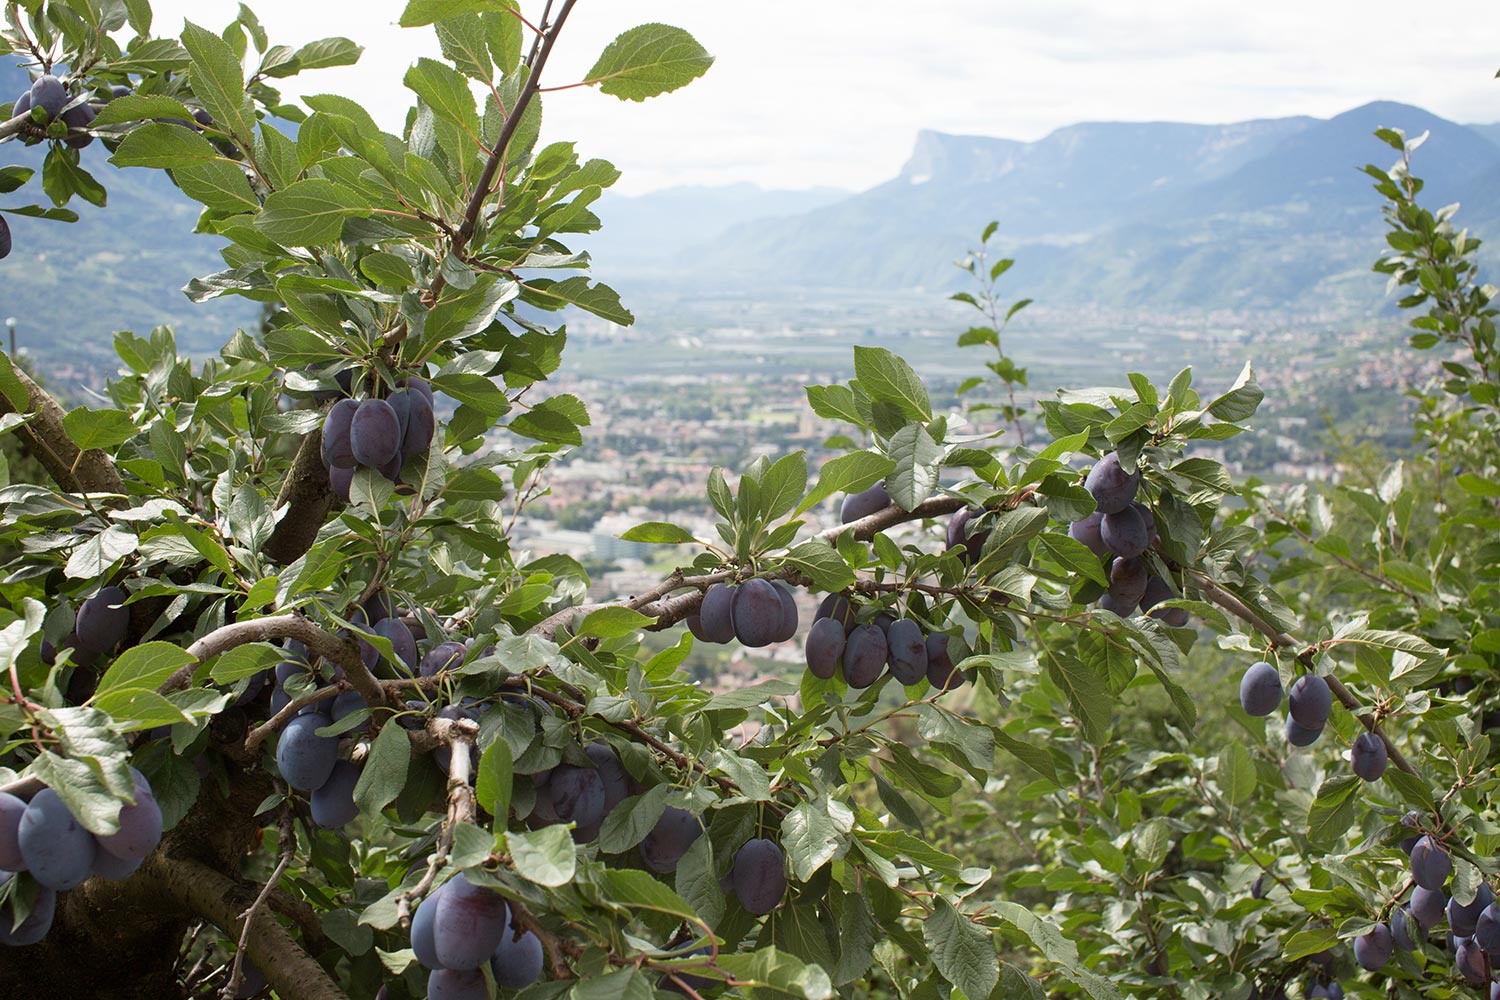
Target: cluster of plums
(839,644)
(100,625)
(43,839)
(379,434)
(757,613)
(1473,927)
(310,762)
(1308,706)
(1121,529)
(460,928)
(49,95)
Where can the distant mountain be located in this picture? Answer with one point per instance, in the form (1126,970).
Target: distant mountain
(1261,213)
(1490,132)
(72,286)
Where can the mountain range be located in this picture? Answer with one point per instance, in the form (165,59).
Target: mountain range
(1259,214)
(1265,214)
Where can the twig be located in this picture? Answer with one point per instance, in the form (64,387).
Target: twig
(535,63)
(288,845)
(460,735)
(1229,602)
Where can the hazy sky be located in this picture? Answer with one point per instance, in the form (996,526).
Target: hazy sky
(832,93)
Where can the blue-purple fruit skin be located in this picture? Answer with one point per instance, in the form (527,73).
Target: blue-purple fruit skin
(1260,689)
(38,920)
(443,656)
(333,801)
(102,620)
(140,825)
(612,774)
(824,647)
(759,875)
(941,671)
(1087,532)
(1127,582)
(716,613)
(1124,532)
(1112,487)
(1299,735)
(907,651)
(457,984)
(80,116)
(402,642)
(577,794)
(1471,962)
(1430,864)
(336,449)
(421,426)
(1367,756)
(1487,929)
(789,621)
(467,925)
(757,613)
(11,809)
(57,850)
(969,546)
(865,653)
(838,607)
(1464,919)
(375,433)
(858,505)
(1373,950)
(304,758)
(517,962)
(1428,907)
(113,869)
(1400,931)
(421,928)
(1310,701)
(49,94)
(669,840)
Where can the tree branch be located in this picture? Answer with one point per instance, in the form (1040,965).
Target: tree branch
(288,847)
(91,471)
(482,186)
(460,735)
(308,494)
(275,952)
(1229,602)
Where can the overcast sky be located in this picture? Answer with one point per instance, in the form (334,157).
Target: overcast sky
(833,93)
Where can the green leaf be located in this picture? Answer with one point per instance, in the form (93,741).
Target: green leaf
(244,661)
(963,951)
(1236,773)
(917,458)
(889,379)
(445,91)
(648,60)
(546,856)
(83,790)
(630,821)
(94,557)
(1241,401)
(98,428)
(1309,942)
(142,108)
(309,213)
(163,144)
(823,564)
(749,697)
(384,774)
(851,473)
(601,300)
(493,785)
(218,81)
(420,12)
(144,666)
(810,838)
(1087,694)
(613,622)
(658,533)
(1333,812)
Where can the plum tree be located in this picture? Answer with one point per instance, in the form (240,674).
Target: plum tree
(759,875)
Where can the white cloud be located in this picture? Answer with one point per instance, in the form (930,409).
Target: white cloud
(833,93)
